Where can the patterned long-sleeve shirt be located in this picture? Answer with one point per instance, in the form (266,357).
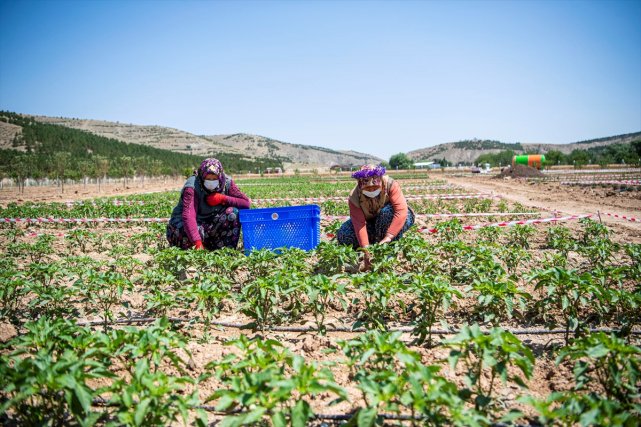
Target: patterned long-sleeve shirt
(399,204)
(234,198)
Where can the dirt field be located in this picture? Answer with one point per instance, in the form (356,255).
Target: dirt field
(567,200)
(547,376)
(89,191)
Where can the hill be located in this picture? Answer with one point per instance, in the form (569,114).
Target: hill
(34,149)
(292,156)
(468,151)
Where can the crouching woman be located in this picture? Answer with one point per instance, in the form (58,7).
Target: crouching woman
(377,208)
(206,216)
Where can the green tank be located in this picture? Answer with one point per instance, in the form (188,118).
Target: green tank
(532,160)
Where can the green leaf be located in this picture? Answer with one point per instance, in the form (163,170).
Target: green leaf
(83,396)
(279,420)
(225,402)
(597,352)
(301,412)
(141,411)
(366,417)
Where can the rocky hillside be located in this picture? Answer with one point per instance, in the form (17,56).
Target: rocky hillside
(252,146)
(468,151)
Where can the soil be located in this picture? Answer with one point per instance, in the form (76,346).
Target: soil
(547,376)
(89,191)
(520,171)
(565,200)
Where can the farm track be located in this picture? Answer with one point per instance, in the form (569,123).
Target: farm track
(553,196)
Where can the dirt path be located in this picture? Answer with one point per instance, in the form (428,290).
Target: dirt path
(569,200)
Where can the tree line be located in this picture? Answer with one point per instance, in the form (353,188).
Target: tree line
(45,150)
(605,155)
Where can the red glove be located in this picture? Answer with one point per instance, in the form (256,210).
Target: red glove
(215,199)
(199,245)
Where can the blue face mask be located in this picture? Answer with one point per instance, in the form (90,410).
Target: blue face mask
(211,184)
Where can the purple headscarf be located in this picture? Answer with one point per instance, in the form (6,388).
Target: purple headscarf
(369,175)
(213,166)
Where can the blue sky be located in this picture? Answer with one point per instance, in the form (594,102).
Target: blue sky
(374,76)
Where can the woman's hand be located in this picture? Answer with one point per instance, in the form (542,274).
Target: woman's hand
(366,263)
(215,199)
(388,238)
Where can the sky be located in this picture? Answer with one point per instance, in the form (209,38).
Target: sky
(379,77)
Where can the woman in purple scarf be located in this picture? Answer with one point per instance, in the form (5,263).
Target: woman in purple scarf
(378,211)
(206,216)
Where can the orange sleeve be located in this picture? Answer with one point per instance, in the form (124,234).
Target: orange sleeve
(400,209)
(358,222)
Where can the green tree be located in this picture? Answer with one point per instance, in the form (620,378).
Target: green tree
(85,168)
(555,157)
(61,163)
(401,161)
(101,167)
(20,170)
(126,167)
(579,158)
(636,146)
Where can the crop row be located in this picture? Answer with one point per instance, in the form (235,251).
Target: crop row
(161,205)
(413,281)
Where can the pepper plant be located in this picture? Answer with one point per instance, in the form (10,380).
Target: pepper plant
(520,236)
(607,375)
(378,293)
(495,354)
(273,298)
(569,293)
(497,299)
(101,291)
(209,290)
(45,378)
(434,294)
(392,379)
(153,398)
(265,380)
(323,293)
(157,344)
(333,258)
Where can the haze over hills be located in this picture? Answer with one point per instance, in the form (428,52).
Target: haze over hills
(468,151)
(253,146)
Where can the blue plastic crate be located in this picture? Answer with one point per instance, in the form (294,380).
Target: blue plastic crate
(277,227)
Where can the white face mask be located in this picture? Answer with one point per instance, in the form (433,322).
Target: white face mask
(372,193)
(211,184)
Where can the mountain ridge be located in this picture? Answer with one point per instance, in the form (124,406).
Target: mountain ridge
(292,155)
(467,151)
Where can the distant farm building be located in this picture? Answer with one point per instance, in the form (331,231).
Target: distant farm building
(341,168)
(274,170)
(427,165)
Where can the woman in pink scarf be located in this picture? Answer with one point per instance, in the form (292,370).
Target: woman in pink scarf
(206,216)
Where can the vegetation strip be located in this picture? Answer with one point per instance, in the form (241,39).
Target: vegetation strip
(431,196)
(450,215)
(513,223)
(79,220)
